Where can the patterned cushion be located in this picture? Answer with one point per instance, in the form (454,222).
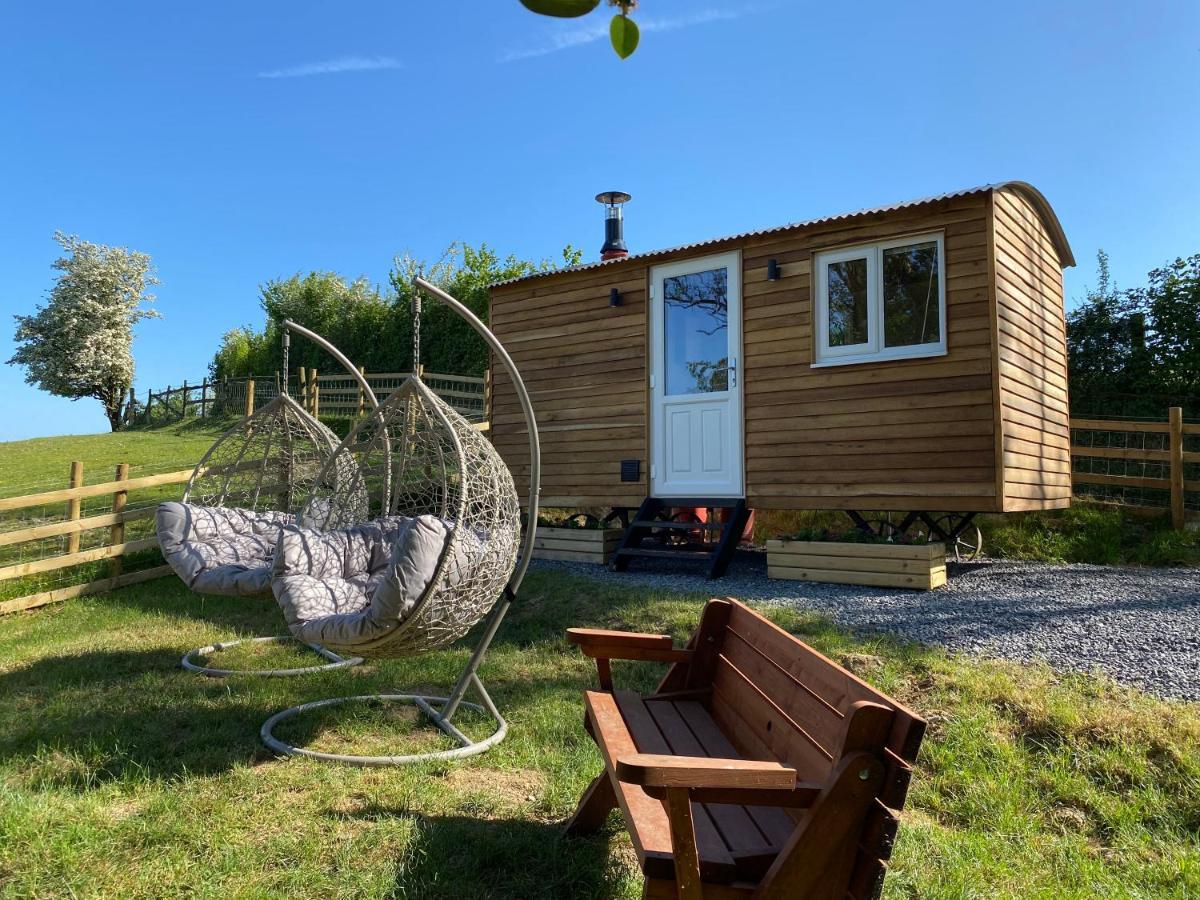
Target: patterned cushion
(220,551)
(352,586)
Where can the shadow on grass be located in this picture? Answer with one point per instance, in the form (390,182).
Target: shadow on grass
(99,715)
(81,719)
(460,856)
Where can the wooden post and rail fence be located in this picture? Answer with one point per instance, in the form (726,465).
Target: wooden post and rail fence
(332,396)
(1171,455)
(73,525)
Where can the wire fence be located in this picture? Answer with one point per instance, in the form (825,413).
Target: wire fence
(331,396)
(80,536)
(1138,462)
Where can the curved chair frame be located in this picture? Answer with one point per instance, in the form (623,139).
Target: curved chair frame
(441,710)
(189,661)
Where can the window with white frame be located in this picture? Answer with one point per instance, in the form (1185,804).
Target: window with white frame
(881,301)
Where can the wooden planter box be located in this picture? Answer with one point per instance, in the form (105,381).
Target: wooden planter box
(576,544)
(919,566)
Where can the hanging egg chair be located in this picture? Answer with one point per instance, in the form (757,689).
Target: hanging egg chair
(254,480)
(447,554)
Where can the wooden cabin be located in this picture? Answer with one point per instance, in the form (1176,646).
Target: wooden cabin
(911,357)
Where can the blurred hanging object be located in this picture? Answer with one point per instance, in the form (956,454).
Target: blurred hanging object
(622,30)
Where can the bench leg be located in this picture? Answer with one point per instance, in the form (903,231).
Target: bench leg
(594,806)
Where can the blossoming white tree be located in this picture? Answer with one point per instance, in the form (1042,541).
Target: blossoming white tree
(80,344)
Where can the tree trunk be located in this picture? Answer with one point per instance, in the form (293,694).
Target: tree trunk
(114,408)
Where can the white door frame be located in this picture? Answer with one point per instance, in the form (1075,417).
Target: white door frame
(731,261)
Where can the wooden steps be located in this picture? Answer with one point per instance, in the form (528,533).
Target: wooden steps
(653,535)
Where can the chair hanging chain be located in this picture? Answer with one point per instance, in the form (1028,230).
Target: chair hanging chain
(287,346)
(416,330)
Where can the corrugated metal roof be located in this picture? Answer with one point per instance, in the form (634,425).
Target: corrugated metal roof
(1032,194)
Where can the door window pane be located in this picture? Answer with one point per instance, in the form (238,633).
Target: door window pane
(696,312)
(847,284)
(910,295)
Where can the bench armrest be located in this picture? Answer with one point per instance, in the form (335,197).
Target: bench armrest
(603,646)
(591,640)
(626,645)
(652,770)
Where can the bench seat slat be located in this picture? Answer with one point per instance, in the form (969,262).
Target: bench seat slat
(775,824)
(737,829)
(647,820)
(716,863)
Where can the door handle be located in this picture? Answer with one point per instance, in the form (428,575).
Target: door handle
(732,368)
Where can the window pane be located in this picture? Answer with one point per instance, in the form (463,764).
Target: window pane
(910,295)
(696,315)
(847,302)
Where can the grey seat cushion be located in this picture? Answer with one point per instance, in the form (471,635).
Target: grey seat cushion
(352,586)
(220,551)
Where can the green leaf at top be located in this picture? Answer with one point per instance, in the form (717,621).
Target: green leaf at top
(624,34)
(566,9)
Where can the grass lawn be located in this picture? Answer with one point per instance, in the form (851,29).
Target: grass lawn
(121,775)
(42,464)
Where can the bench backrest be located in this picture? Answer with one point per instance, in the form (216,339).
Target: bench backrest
(778,699)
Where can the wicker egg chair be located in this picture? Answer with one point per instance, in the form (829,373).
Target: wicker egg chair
(448,553)
(255,480)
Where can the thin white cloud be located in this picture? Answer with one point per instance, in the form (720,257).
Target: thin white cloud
(596,30)
(335,67)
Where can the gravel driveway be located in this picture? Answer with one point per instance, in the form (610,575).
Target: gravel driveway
(1141,626)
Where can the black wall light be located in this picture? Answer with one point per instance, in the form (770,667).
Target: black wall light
(772,270)
(614,297)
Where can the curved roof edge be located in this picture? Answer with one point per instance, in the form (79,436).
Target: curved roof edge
(1049,218)
(1023,188)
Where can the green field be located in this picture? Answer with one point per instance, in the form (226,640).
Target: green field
(121,775)
(43,464)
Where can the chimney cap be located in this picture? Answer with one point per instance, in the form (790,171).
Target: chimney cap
(613,198)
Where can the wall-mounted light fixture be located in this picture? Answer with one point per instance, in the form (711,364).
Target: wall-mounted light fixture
(772,270)
(614,297)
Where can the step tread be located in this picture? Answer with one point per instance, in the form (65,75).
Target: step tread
(682,526)
(638,551)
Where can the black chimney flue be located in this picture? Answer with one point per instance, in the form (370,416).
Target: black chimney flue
(614,224)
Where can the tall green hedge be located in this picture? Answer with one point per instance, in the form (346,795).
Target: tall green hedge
(373,325)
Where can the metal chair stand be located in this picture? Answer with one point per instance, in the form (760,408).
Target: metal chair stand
(335,661)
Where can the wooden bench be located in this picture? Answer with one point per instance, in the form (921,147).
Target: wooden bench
(758,768)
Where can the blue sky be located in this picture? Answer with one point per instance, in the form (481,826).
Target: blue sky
(240,142)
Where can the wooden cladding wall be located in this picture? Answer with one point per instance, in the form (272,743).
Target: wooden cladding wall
(1031,352)
(584,363)
(907,434)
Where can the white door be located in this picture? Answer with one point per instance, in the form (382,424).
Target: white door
(695,383)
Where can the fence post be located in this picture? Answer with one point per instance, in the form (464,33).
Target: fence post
(303,389)
(316,395)
(130,405)
(1176,453)
(203,398)
(487,394)
(249,396)
(74,506)
(116,533)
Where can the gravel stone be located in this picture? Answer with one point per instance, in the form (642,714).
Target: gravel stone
(1140,626)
